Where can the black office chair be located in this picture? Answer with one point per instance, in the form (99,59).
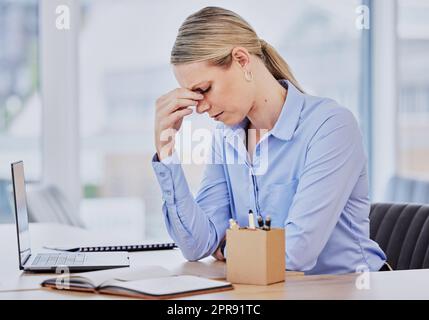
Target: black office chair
(402,231)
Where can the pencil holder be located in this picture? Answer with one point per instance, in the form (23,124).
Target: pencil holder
(255,256)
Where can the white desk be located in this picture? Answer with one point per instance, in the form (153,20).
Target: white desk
(412,284)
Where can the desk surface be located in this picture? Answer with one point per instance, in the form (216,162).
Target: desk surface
(14,284)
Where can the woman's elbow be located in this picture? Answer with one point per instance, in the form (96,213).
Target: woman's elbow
(299,262)
(192,254)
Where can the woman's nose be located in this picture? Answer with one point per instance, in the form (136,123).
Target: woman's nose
(202,107)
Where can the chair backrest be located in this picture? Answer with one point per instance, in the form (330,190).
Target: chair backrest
(48,204)
(407,190)
(402,231)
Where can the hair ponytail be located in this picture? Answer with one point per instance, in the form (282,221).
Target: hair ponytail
(277,65)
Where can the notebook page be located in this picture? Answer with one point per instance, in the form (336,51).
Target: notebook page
(120,274)
(170,285)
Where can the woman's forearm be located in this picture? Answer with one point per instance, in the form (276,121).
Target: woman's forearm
(196,224)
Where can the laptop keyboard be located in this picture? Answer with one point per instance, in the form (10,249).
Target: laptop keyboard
(59,259)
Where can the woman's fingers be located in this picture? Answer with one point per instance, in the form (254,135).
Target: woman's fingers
(187,94)
(177,99)
(175,105)
(170,110)
(176,116)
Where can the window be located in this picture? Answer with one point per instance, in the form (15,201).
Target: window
(20,107)
(124,67)
(413,74)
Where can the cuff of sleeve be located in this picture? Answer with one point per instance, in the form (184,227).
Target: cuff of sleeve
(173,159)
(171,178)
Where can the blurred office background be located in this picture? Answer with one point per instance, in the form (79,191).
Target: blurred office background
(77,105)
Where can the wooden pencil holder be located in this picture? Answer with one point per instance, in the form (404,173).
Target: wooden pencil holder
(255,256)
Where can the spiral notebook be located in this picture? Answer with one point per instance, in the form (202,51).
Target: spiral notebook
(129,248)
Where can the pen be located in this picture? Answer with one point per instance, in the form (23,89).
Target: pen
(260,222)
(267,223)
(233,225)
(251,220)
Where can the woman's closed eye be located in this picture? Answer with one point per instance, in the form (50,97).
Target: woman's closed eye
(203,91)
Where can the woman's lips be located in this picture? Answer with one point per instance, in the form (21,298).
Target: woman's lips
(216,116)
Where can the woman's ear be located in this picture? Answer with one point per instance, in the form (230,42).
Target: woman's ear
(241,55)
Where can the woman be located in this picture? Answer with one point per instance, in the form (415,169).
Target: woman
(313,180)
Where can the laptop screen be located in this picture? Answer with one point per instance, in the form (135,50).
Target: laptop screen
(21,215)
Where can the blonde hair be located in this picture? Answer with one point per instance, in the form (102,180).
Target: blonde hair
(211,33)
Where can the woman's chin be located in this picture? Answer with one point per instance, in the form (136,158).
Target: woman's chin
(231,121)
(228,122)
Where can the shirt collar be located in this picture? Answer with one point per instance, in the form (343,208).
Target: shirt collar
(288,119)
(291,111)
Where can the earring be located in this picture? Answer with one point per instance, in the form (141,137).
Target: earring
(248,75)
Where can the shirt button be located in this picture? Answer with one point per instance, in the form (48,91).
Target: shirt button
(168,193)
(162,174)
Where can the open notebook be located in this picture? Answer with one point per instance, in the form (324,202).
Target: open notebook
(149,282)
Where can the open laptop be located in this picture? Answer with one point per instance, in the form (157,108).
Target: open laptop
(48,262)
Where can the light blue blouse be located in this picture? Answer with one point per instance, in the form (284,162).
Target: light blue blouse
(309,173)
